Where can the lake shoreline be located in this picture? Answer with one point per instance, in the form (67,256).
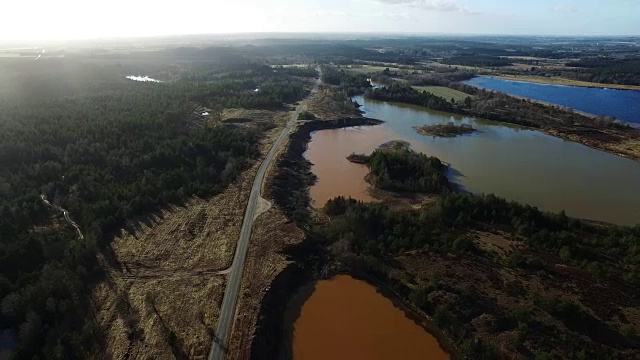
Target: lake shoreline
(296,284)
(446,131)
(572,132)
(418,317)
(557,133)
(288,283)
(563,82)
(584,113)
(298,177)
(620,104)
(310,263)
(519,154)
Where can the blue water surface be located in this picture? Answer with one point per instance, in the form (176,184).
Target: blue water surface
(623,104)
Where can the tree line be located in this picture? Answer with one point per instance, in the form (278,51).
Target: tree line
(351,83)
(491,105)
(399,92)
(402,169)
(368,238)
(478,60)
(605,70)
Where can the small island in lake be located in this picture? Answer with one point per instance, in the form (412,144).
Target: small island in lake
(445,130)
(393,145)
(395,167)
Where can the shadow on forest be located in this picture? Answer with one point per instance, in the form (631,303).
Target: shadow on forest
(454,176)
(151,219)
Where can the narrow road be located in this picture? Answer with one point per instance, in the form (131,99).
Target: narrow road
(66,216)
(229,302)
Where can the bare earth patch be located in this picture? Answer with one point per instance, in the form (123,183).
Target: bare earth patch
(490,295)
(272,232)
(159,318)
(498,242)
(329,104)
(625,144)
(629,148)
(173,261)
(239,115)
(166,276)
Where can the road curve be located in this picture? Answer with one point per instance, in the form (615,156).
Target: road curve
(66,216)
(229,302)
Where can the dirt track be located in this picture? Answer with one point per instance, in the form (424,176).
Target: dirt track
(228,310)
(166,277)
(273,232)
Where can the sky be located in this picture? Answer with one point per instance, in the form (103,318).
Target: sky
(86,19)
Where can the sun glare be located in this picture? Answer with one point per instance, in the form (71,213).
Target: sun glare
(75,19)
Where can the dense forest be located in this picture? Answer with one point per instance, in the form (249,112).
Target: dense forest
(477,60)
(352,84)
(501,279)
(490,105)
(557,293)
(401,169)
(398,168)
(618,71)
(257,93)
(605,70)
(399,92)
(582,244)
(445,130)
(110,151)
(372,240)
(603,60)
(401,248)
(309,71)
(505,108)
(231,84)
(440,77)
(368,238)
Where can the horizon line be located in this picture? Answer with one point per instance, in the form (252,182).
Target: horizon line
(266,34)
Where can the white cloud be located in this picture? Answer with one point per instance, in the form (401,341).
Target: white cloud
(565,9)
(329,13)
(433,5)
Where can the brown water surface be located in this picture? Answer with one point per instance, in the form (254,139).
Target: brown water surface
(348,319)
(514,163)
(328,151)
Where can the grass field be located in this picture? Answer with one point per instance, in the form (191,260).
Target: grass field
(444,92)
(365,69)
(459,67)
(292,65)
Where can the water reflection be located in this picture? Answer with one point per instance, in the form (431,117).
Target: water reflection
(623,104)
(328,151)
(515,163)
(456,176)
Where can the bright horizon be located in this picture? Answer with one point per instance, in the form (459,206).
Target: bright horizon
(76,19)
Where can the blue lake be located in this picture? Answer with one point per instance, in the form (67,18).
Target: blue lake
(623,104)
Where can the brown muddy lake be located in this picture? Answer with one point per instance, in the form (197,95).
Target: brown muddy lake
(345,318)
(514,163)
